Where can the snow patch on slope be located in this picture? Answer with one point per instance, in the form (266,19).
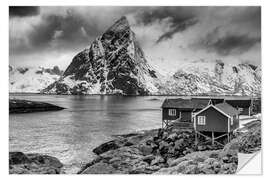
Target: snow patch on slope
(30,79)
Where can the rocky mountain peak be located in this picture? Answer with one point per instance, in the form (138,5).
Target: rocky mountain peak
(114,63)
(120,25)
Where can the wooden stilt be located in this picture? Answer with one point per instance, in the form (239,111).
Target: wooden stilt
(228,135)
(213,138)
(196,139)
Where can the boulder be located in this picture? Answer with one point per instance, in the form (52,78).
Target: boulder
(111,145)
(210,161)
(163,144)
(145,149)
(157,160)
(190,169)
(18,158)
(45,160)
(172,137)
(148,158)
(100,168)
(179,143)
(20,163)
(153,168)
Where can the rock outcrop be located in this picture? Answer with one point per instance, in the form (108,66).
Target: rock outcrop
(20,163)
(249,137)
(156,151)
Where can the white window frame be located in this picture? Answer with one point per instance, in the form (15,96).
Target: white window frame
(192,116)
(231,121)
(172,112)
(201,120)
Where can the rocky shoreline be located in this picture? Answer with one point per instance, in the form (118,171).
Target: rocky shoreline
(171,152)
(25,106)
(159,152)
(152,152)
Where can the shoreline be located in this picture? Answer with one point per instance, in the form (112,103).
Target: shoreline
(137,153)
(141,145)
(121,95)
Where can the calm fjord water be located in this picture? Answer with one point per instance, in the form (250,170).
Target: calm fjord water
(88,121)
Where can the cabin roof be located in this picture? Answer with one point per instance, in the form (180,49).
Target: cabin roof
(214,100)
(185,103)
(227,109)
(223,108)
(244,103)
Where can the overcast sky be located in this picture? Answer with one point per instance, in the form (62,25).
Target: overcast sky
(48,36)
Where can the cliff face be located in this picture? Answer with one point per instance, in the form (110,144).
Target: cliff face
(114,63)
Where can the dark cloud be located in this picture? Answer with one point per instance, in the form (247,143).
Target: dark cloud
(22,11)
(248,15)
(177,28)
(180,18)
(227,44)
(67,31)
(63,30)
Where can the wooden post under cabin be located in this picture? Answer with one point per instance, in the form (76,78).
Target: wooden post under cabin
(213,138)
(196,140)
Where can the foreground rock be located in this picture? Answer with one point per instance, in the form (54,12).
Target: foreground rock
(205,162)
(24,106)
(250,137)
(156,151)
(20,163)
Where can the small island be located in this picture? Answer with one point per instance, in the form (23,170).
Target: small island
(25,106)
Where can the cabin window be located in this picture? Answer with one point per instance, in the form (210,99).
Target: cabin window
(201,120)
(240,109)
(172,112)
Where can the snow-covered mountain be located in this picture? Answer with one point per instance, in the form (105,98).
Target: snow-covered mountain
(113,64)
(31,79)
(213,78)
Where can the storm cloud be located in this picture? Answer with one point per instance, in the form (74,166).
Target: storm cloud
(53,35)
(22,11)
(227,44)
(179,19)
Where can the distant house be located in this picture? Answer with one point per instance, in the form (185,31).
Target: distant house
(244,106)
(181,110)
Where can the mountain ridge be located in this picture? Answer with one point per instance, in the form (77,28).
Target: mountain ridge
(114,63)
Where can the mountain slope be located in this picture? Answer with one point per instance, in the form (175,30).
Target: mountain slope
(31,79)
(114,63)
(213,78)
